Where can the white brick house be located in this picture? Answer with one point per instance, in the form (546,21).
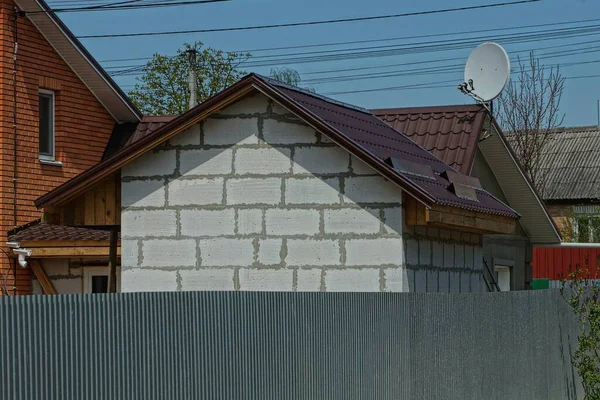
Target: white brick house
(245,193)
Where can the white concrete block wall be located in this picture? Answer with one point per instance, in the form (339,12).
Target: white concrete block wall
(253,199)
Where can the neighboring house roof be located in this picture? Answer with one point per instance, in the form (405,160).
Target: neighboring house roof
(128,133)
(355,129)
(571,164)
(80,60)
(452,133)
(38,231)
(449,132)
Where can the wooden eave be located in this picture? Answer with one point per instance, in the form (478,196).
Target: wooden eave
(455,218)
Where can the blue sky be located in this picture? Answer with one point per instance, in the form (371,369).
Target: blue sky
(579,102)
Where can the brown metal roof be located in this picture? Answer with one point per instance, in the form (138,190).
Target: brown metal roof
(449,132)
(147,126)
(35,232)
(355,129)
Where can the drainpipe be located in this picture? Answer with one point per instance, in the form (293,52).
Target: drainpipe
(16,15)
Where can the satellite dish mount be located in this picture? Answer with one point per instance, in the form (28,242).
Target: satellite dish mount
(486,73)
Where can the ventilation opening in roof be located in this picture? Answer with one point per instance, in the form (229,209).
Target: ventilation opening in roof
(465,180)
(463,191)
(411,168)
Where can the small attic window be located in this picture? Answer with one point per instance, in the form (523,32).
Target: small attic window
(46,124)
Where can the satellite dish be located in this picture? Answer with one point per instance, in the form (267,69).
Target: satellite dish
(486,72)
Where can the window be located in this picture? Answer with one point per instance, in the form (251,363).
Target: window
(95,280)
(502,277)
(46,122)
(586,224)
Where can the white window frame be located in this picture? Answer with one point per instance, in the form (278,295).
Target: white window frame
(89,272)
(504,269)
(49,157)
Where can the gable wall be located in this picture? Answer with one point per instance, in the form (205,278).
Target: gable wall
(82,125)
(253,199)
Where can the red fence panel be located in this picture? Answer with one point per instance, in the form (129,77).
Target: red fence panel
(554,263)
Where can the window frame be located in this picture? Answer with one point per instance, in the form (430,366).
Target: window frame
(52,95)
(89,272)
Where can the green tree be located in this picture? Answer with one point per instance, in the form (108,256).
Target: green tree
(583,294)
(163,88)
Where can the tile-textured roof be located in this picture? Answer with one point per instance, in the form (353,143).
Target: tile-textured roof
(449,132)
(571,164)
(42,231)
(361,132)
(148,125)
(374,135)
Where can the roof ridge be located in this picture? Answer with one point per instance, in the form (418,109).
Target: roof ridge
(274,82)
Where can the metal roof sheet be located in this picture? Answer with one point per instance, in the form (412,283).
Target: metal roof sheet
(361,132)
(448,132)
(43,232)
(571,164)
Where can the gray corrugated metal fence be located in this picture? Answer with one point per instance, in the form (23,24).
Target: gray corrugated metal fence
(231,345)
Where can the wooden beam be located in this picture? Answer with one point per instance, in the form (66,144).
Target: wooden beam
(42,277)
(58,252)
(64,243)
(470,221)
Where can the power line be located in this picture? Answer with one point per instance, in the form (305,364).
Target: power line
(309,23)
(392,50)
(124,6)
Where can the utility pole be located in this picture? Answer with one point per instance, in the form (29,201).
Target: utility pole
(192,53)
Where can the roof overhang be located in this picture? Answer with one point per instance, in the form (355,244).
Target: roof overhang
(520,193)
(80,61)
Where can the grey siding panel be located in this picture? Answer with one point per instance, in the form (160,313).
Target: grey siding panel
(232,345)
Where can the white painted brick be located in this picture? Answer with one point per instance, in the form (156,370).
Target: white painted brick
(352,220)
(268,280)
(148,280)
(230,131)
(187,192)
(205,162)
(312,191)
(254,191)
(149,223)
(152,164)
(256,104)
(168,253)
(321,160)
(129,253)
(308,280)
(191,136)
(262,161)
(209,279)
(226,252)
(361,168)
(249,221)
(292,222)
(397,280)
(374,251)
(352,280)
(309,253)
(269,251)
(371,189)
(148,193)
(198,223)
(393,220)
(277,132)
